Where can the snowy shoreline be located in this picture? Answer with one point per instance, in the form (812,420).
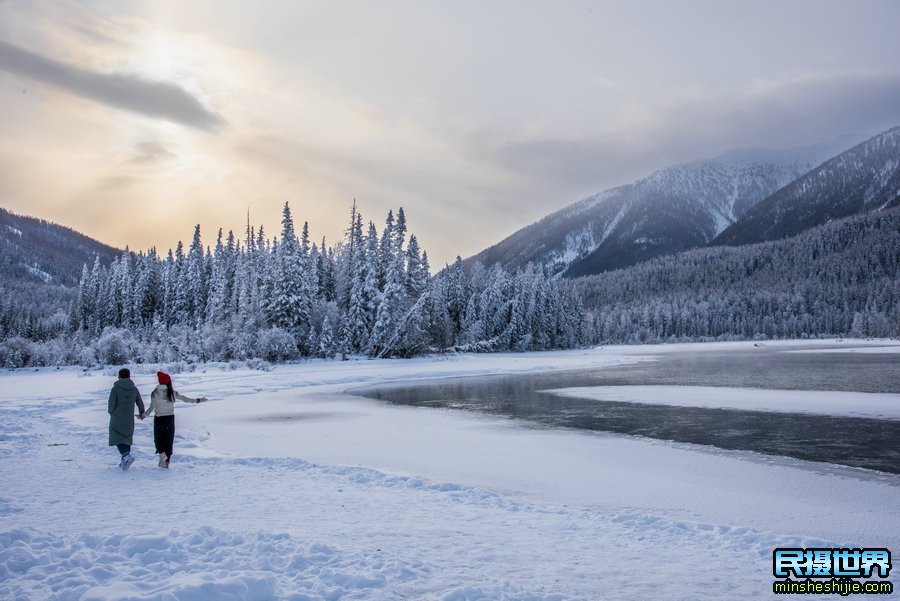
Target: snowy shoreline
(286,486)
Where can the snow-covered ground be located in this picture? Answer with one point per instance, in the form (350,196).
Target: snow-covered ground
(284,486)
(865,350)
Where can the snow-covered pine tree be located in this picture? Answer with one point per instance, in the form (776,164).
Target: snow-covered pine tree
(437,319)
(386,248)
(391,313)
(109,314)
(457,294)
(426,266)
(97,285)
(249,319)
(325,272)
(416,277)
(356,323)
(344,261)
(193,282)
(218,297)
(180,288)
(147,288)
(285,283)
(372,286)
(124,291)
(400,231)
(308,286)
(230,258)
(326,345)
(495,306)
(84,303)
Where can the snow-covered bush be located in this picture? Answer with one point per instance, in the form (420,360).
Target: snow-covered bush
(57,351)
(176,367)
(216,343)
(242,345)
(149,351)
(115,346)
(186,344)
(259,364)
(15,352)
(87,356)
(275,344)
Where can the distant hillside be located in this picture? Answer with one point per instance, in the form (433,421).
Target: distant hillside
(864,178)
(40,267)
(674,209)
(837,279)
(37,251)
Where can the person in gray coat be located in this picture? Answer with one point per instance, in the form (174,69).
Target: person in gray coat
(122,399)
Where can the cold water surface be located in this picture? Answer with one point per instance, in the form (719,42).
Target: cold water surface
(853,441)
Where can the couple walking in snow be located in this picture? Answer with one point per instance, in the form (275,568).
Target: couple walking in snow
(122,400)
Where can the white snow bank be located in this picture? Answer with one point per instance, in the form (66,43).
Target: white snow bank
(852,404)
(866,350)
(837,345)
(203,565)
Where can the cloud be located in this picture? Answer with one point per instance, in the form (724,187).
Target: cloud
(149,152)
(115,184)
(699,123)
(156,99)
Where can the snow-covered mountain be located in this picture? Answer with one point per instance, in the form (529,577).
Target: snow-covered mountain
(864,178)
(38,251)
(805,285)
(674,209)
(40,263)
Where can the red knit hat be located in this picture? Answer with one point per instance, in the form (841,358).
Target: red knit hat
(163,377)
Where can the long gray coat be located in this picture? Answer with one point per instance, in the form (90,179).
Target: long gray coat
(122,397)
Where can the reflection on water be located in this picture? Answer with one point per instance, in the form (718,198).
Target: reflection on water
(861,442)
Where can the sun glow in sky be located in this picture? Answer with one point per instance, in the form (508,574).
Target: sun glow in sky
(133,121)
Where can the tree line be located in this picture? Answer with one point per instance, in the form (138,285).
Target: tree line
(840,279)
(371,294)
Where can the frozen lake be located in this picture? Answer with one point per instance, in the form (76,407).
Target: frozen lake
(865,442)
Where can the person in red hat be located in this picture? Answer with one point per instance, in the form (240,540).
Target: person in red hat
(162,401)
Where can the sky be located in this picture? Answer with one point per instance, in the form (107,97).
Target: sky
(133,121)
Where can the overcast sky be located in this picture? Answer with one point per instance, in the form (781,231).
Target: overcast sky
(132,121)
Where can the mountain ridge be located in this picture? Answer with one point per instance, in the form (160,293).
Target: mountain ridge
(673,209)
(40,251)
(863,178)
(836,279)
